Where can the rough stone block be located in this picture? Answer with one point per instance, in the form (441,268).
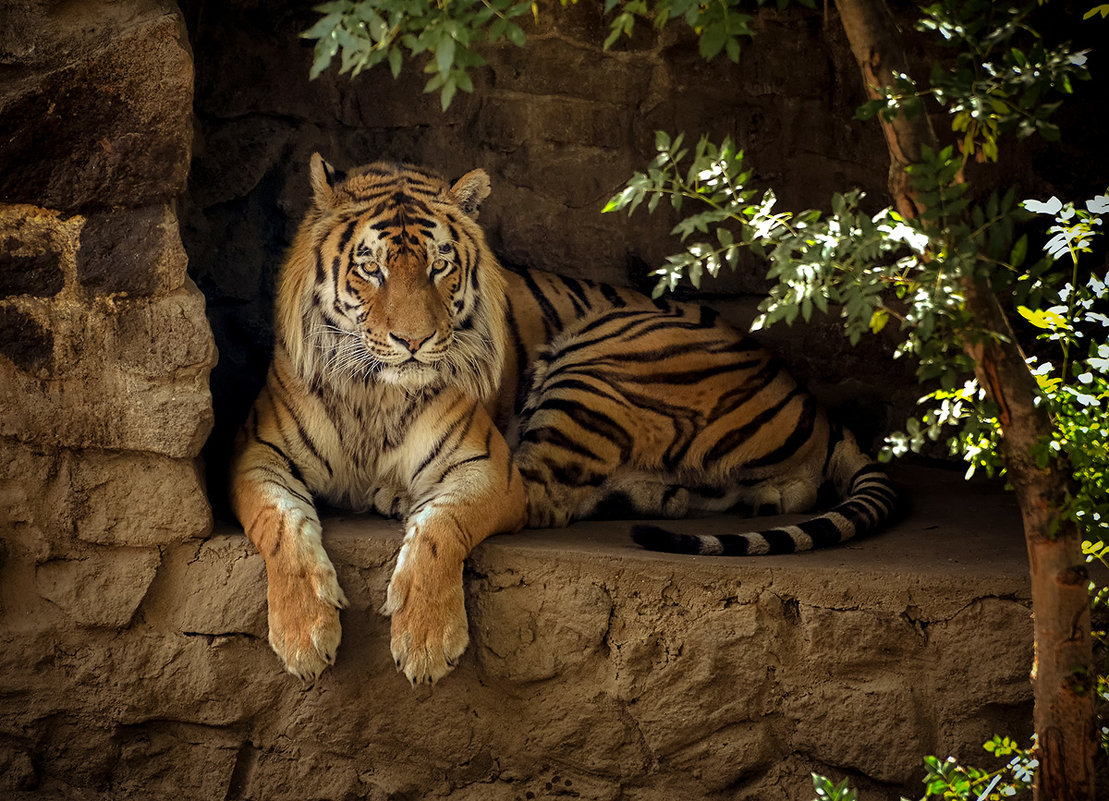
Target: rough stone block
(628,674)
(159,761)
(886,743)
(136,251)
(699,772)
(523,627)
(99,588)
(129,376)
(1003,677)
(36,500)
(50,498)
(571,62)
(518,119)
(124,138)
(218,590)
(857,643)
(162,336)
(138,499)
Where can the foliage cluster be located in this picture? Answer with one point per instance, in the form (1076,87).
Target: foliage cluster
(719,24)
(878,266)
(947,780)
(370,32)
(365,33)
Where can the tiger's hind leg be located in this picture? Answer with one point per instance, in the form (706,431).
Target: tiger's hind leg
(562,487)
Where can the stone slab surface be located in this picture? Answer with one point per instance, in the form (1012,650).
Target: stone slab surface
(595,670)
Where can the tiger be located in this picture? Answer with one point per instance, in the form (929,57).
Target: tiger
(415,377)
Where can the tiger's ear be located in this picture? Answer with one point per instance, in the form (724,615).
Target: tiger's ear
(469,190)
(324,180)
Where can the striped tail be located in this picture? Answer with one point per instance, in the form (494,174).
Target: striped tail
(870,504)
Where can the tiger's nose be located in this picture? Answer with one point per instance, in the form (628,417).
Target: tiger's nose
(410,343)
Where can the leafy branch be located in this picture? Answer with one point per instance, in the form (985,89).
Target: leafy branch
(370,32)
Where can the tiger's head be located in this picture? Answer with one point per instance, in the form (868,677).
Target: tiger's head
(390,280)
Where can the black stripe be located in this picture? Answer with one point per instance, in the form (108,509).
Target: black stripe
(294,471)
(779,541)
(578,296)
(735,544)
(301,433)
(822,531)
(752,385)
(286,488)
(682,377)
(612,296)
(481,457)
(708,317)
(348,232)
(545,435)
(593,421)
(736,437)
(522,385)
(437,448)
(655,538)
(802,433)
(551,320)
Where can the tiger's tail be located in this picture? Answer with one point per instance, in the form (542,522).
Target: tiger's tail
(869,502)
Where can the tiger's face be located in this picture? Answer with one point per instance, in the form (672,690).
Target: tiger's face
(397,295)
(405,290)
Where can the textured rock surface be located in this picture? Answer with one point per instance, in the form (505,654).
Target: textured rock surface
(104,360)
(596,670)
(95,102)
(105,351)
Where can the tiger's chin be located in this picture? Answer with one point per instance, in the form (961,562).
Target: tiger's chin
(410,376)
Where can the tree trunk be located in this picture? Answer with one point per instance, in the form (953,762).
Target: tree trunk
(1062,673)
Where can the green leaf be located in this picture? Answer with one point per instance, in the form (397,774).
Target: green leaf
(516,34)
(444,54)
(731,47)
(323,26)
(610,40)
(324,51)
(713,39)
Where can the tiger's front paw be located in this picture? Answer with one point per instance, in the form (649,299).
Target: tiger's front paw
(429,628)
(304,619)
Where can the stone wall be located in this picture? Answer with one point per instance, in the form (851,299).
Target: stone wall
(596,670)
(104,348)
